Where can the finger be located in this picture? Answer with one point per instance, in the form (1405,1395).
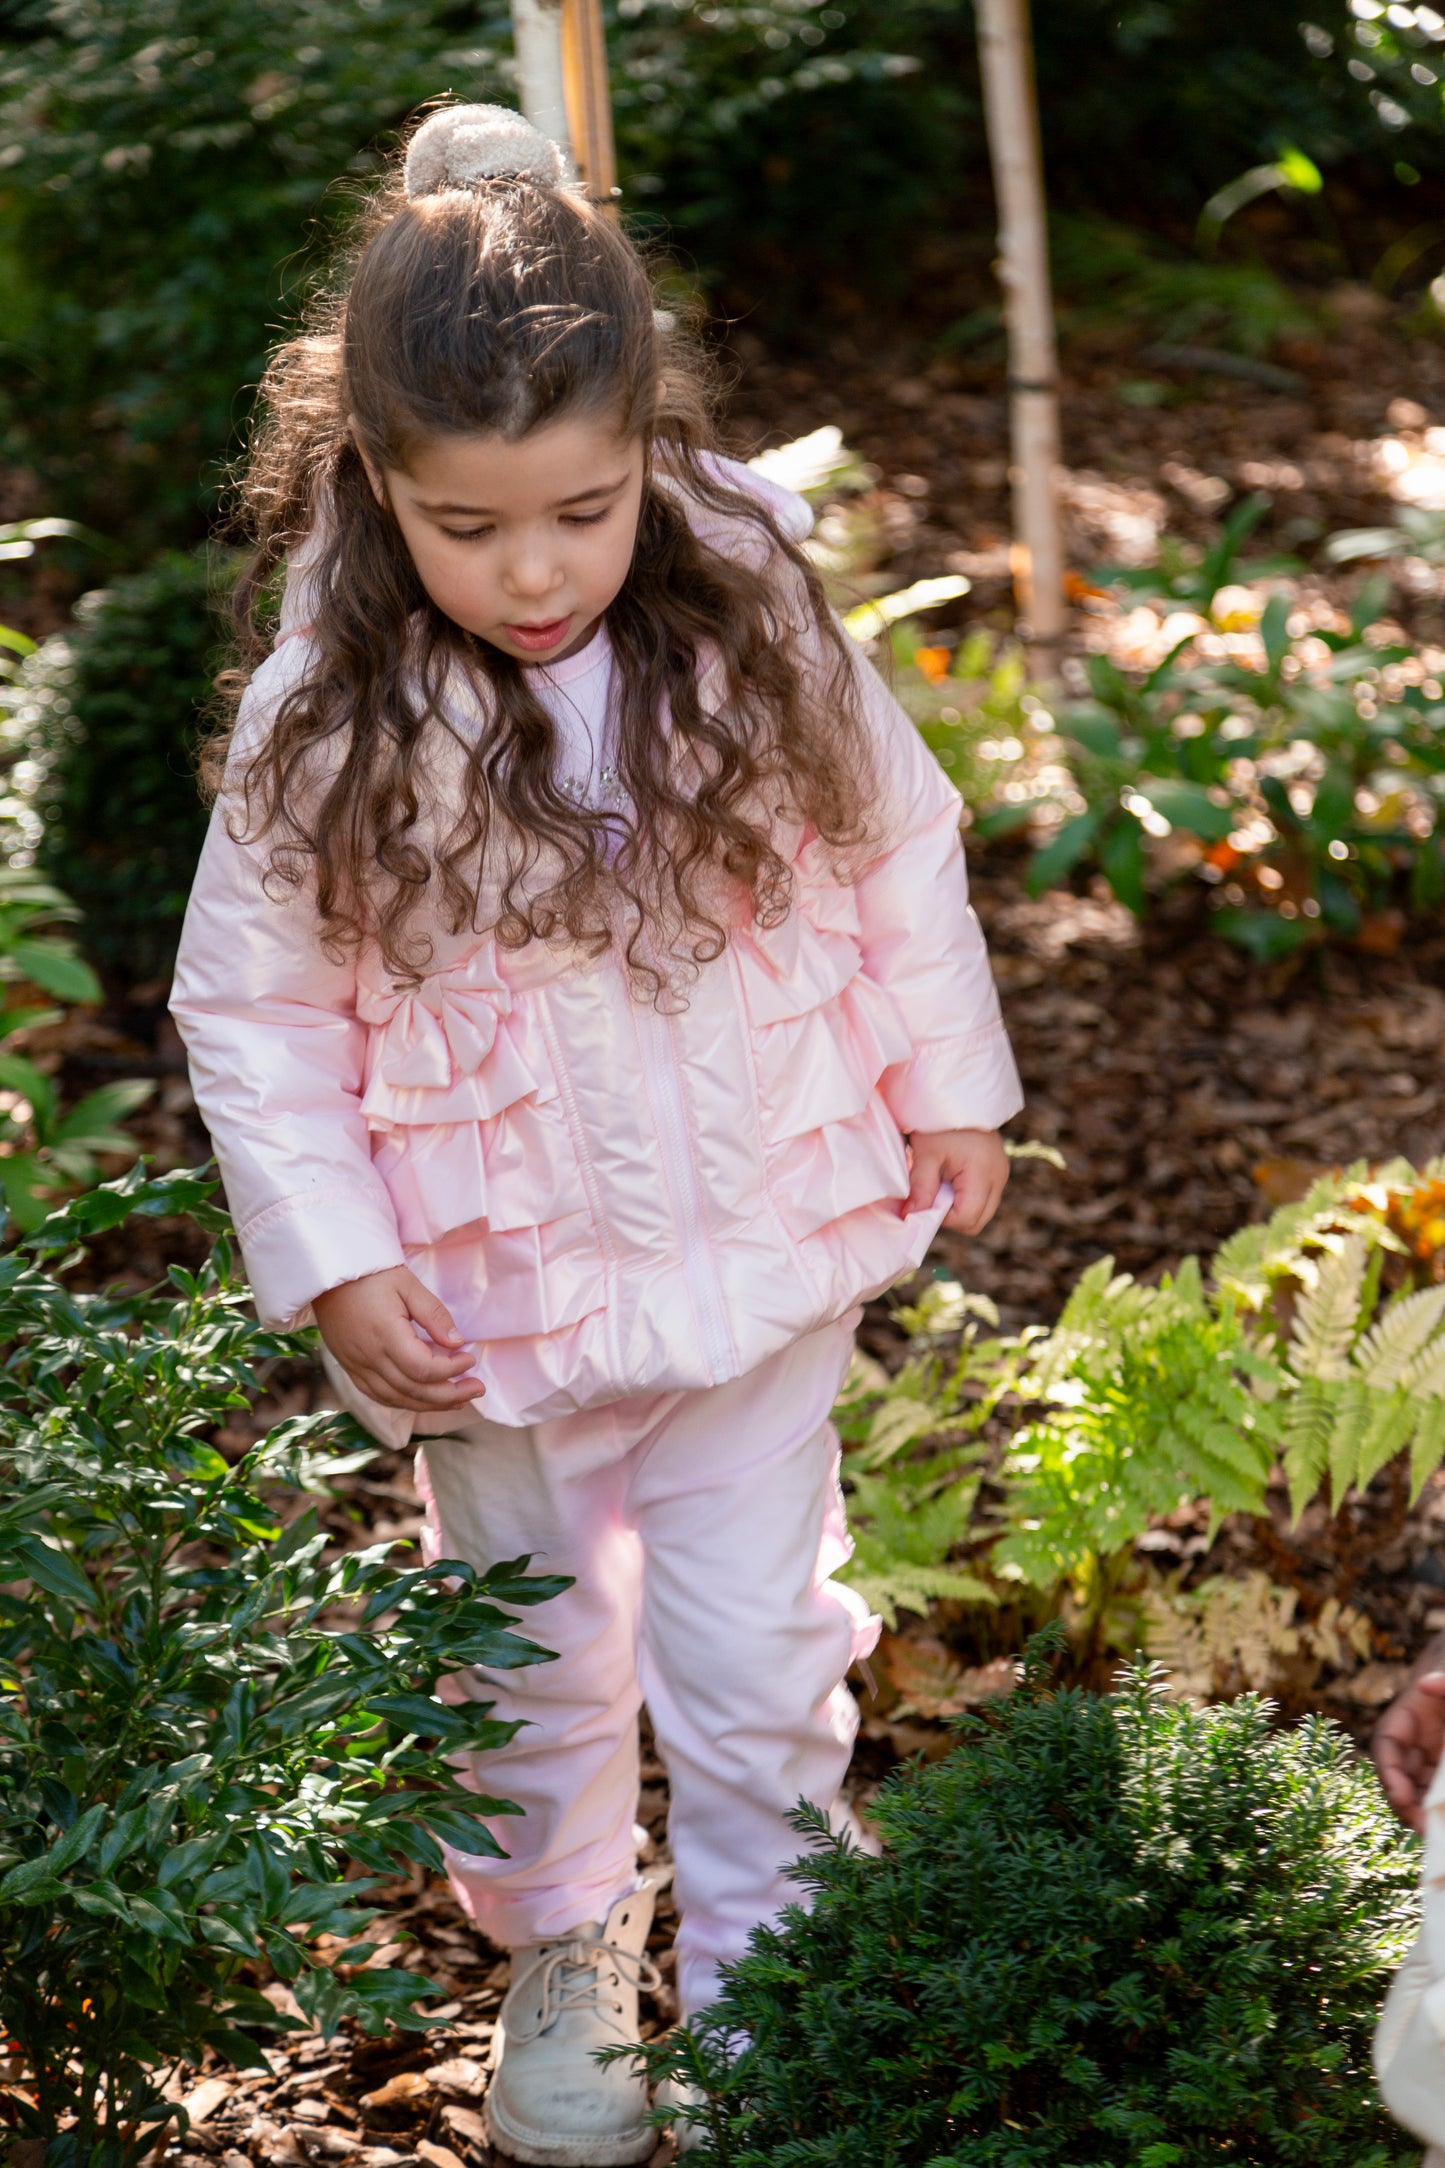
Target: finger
(419,1361)
(393,1390)
(924,1181)
(971,1208)
(429,1311)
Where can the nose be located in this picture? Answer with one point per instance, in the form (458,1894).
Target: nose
(531,571)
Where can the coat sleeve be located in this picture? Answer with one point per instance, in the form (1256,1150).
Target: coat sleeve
(922,940)
(276,1054)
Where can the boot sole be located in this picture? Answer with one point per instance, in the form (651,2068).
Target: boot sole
(547,2149)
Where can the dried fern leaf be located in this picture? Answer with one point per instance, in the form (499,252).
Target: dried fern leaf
(1325,1320)
(1398,1335)
(1425,1376)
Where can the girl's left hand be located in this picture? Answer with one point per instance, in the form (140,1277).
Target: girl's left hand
(973,1160)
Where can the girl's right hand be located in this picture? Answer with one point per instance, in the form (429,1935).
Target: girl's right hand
(370,1327)
(1408,1742)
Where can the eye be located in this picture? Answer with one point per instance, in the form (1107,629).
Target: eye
(465,534)
(585,519)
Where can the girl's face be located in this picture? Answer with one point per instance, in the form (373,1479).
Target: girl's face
(524,544)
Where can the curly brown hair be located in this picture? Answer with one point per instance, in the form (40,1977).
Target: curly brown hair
(497,309)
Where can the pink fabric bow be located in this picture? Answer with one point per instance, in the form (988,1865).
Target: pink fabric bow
(443,1029)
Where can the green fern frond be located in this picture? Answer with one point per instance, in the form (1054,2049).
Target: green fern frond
(1326,1315)
(1427,1447)
(1354,1411)
(1394,1420)
(1305,1439)
(889,1585)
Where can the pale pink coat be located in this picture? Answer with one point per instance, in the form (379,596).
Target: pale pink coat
(610,1200)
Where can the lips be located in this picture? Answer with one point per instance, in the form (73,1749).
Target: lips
(538,638)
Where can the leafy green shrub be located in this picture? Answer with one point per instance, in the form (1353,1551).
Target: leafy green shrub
(1109,1931)
(46,1148)
(110,710)
(1105,273)
(203,1715)
(1312,783)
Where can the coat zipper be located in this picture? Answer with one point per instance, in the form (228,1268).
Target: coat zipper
(697,1261)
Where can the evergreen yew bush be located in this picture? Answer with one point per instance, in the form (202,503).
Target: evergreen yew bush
(209,1715)
(111,713)
(1103,1930)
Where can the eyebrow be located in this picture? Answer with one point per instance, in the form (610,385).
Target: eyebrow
(482,511)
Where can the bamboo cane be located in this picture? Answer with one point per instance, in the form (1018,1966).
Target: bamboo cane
(562,77)
(1011,111)
(589,107)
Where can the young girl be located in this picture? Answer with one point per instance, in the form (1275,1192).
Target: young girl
(581,933)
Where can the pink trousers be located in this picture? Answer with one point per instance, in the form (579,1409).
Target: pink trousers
(701,1528)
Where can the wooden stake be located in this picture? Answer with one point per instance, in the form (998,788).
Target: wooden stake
(1011,110)
(589,106)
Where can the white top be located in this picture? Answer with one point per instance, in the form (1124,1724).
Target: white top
(577,694)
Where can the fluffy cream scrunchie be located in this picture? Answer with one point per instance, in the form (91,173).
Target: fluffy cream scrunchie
(464,144)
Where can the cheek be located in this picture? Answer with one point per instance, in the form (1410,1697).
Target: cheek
(452,580)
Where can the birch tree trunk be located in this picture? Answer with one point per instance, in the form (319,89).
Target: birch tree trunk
(537,32)
(1011,111)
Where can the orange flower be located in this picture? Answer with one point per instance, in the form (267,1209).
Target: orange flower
(933,662)
(1078,589)
(1417,1216)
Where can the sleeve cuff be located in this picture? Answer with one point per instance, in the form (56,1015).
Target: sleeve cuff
(968,1083)
(300,1246)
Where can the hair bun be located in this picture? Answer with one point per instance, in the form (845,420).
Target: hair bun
(464,144)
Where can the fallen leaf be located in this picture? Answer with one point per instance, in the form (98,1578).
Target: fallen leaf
(440,2156)
(406,2085)
(311,2111)
(465,2122)
(204,2100)
(459,2074)
(933,1684)
(1285,1181)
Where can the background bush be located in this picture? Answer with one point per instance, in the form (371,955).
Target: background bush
(111,709)
(1109,1931)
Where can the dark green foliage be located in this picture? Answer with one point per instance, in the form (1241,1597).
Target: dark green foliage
(205,1712)
(115,708)
(1103,1931)
(165,162)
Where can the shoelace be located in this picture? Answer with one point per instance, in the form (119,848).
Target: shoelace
(570,1978)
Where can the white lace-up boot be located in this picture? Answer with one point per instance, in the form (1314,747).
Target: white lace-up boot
(675,2094)
(549,2100)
